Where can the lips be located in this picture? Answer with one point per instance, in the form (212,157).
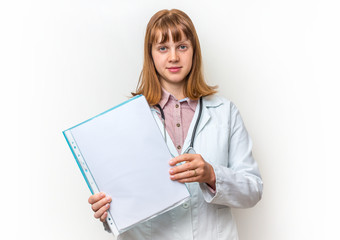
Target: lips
(174,69)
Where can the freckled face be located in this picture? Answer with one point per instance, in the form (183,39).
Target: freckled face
(173,60)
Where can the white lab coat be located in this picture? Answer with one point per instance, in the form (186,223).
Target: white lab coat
(223,141)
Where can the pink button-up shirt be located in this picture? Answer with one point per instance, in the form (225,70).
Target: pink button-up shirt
(178,116)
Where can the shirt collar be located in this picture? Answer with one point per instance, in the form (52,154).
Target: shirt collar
(164,99)
(166,96)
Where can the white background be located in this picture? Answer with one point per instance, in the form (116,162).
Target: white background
(64,61)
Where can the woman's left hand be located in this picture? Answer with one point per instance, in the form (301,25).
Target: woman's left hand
(195,169)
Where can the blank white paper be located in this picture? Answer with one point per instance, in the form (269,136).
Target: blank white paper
(128,158)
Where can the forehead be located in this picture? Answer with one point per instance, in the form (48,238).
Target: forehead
(160,38)
(174,33)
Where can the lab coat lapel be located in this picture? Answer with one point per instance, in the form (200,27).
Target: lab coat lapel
(169,142)
(204,119)
(208,102)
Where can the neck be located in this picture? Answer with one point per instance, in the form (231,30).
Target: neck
(177,90)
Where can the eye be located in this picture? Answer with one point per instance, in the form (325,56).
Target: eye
(182,47)
(162,48)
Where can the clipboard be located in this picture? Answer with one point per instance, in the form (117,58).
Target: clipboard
(122,152)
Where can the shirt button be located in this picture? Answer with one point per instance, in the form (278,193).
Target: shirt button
(178,125)
(178,147)
(185,205)
(176,105)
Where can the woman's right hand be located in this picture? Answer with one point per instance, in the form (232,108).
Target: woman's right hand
(100,204)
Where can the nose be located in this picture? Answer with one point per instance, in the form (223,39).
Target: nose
(173,56)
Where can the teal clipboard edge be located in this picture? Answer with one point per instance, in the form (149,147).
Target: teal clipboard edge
(77,161)
(109,219)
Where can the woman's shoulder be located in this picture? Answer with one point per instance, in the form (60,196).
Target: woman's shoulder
(223,108)
(215,100)
(221,105)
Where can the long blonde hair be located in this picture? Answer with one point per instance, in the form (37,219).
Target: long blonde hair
(178,23)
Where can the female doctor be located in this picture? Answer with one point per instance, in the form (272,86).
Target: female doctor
(203,130)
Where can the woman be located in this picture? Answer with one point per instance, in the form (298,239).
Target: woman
(219,170)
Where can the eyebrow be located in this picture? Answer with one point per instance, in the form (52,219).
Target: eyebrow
(179,42)
(183,41)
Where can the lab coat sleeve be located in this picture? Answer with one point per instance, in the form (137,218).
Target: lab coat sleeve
(238,185)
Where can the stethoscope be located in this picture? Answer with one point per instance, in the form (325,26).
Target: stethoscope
(190,149)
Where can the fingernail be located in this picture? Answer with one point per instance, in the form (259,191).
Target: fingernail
(108,199)
(172,176)
(171,162)
(101,194)
(107,205)
(171,171)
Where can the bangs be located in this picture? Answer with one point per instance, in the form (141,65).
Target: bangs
(173,25)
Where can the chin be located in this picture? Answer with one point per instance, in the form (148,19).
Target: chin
(176,80)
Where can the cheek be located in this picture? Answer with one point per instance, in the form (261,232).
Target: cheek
(157,60)
(157,66)
(189,62)
(189,59)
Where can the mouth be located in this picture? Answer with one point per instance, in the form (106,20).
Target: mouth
(174,69)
